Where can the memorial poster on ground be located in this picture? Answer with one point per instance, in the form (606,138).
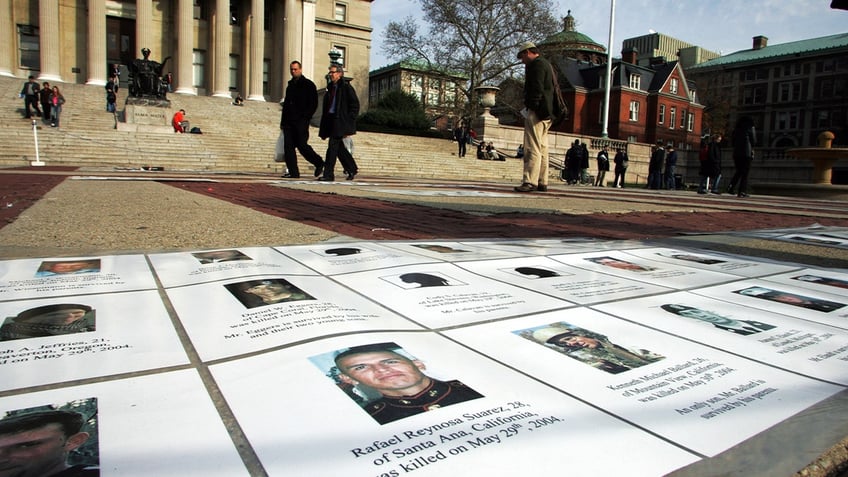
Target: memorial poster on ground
(800,346)
(700,398)
(62,339)
(503,424)
(804,303)
(575,285)
(189,268)
(433,357)
(30,278)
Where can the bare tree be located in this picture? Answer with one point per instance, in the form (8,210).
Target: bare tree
(474,38)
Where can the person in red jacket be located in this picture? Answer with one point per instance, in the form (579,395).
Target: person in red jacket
(179,121)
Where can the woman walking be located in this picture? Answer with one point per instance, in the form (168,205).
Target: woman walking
(57,101)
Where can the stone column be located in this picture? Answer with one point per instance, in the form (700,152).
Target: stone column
(308,39)
(96,42)
(6,40)
(257,50)
(291,38)
(221,48)
(185,36)
(48,32)
(144,29)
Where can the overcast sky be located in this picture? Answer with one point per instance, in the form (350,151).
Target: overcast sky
(723,26)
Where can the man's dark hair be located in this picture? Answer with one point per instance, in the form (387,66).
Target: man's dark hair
(369,348)
(33,312)
(71,422)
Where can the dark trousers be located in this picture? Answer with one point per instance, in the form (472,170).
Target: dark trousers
(739,182)
(461,148)
(336,149)
(45,108)
(31,100)
(296,136)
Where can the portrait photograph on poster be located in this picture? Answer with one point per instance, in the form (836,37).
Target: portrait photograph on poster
(51,440)
(789,298)
(49,320)
(219,256)
(447,251)
(390,384)
(589,347)
(827,281)
(253,293)
(49,268)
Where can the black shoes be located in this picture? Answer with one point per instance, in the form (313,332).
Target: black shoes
(742,195)
(351,175)
(542,188)
(319,169)
(525,187)
(326,179)
(290,176)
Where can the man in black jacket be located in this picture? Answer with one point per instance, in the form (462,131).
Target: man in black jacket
(538,112)
(338,121)
(298,107)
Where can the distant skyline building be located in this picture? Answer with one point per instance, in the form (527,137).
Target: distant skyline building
(654,45)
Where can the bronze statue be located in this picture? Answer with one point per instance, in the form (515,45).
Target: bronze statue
(146,77)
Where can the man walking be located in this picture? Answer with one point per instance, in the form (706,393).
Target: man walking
(338,121)
(538,112)
(298,107)
(30,94)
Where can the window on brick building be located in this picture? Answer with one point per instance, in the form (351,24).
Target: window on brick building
(673,86)
(690,122)
(662,114)
(672,117)
(635,81)
(634,110)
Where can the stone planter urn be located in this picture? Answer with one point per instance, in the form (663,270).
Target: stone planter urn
(486,97)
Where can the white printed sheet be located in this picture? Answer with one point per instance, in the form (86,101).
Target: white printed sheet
(316,428)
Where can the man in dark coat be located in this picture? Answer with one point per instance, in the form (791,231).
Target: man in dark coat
(539,110)
(340,109)
(298,107)
(655,166)
(710,170)
(743,139)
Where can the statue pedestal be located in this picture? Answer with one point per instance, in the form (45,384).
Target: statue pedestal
(147,115)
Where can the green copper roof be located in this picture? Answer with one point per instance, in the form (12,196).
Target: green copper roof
(794,48)
(569,37)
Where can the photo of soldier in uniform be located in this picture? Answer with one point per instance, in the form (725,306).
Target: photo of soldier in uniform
(68,267)
(692,258)
(256,293)
(48,320)
(50,441)
(439,248)
(828,281)
(739,327)
(218,256)
(589,347)
(620,264)
(389,383)
(793,299)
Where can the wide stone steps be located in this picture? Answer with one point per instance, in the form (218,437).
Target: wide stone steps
(235,139)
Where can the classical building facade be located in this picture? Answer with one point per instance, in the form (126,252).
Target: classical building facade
(794,91)
(440,93)
(214,47)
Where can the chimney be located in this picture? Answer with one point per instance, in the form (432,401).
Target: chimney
(760,42)
(630,55)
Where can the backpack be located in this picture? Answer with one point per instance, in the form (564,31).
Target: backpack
(560,111)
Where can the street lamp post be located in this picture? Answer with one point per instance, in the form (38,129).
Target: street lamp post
(605,132)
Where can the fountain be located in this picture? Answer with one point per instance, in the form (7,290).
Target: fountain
(823,157)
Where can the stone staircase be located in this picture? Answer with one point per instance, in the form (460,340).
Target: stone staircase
(234,140)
